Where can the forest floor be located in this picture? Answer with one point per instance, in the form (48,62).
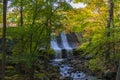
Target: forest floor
(51,72)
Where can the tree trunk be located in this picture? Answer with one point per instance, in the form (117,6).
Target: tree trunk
(21,13)
(109,24)
(118,72)
(21,25)
(32,72)
(4,39)
(110,16)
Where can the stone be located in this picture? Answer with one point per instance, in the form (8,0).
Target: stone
(109,75)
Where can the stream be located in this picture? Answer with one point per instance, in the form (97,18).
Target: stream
(66,70)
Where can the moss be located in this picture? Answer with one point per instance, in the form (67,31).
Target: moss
(96,64)
(8,78)
(39,75)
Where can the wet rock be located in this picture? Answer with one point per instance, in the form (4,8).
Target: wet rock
(87,57)
(91,78)
(62,78)
(74,68)
(109,75)
(74,62)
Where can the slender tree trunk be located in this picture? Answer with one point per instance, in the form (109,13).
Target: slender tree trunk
(21,24)
(109,24)
(31,44)
(110,16)
(21,13)
(4,39)
(32,71)
(118,72)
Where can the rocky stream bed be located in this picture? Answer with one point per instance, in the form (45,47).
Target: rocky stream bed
(71,69)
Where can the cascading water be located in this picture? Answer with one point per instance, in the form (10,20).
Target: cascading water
(66,69)
(65,44)
(57,49)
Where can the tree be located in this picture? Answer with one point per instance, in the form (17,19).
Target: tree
(118,73)
(101,37)
(21,13)
(109,25)
(4,39)
(40,17)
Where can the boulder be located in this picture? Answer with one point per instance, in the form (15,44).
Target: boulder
(109,75)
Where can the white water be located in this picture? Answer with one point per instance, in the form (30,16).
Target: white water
(66,71)
(65,41)
(58,51)
(66,44)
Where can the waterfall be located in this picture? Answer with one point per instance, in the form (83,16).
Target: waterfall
(55,47)
(65,44)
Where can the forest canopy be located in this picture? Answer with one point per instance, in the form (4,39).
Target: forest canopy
(28,24)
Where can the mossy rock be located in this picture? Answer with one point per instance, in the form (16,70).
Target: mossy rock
(10,72)
(39,75)
(8,78)
(19,77)
(10,67)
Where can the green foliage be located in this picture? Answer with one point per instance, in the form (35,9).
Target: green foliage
(26,52)
(96,64)
(84,1)
(95,41)
(41,18)
(65,6)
